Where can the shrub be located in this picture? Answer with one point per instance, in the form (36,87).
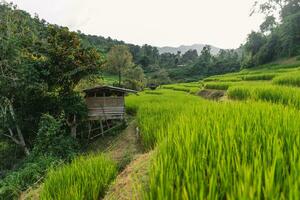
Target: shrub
(26,175)
(52,145)
(52,139)
(9,155)
(85,178)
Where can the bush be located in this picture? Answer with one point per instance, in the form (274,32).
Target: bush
(29,172)
(52,145)
(52,139)
(9,155)
(85,178)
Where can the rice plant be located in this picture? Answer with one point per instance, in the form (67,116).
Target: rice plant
(217,85)
(85,178)
(258,77)
(274,94)
(192,88)
(292,79)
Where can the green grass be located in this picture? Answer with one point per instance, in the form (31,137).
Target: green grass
(85,178)
(213,150)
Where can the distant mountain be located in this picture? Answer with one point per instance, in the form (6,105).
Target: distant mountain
(185,48)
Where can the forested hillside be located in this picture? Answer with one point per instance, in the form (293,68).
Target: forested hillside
(184,48)
(179,66)
(278,38)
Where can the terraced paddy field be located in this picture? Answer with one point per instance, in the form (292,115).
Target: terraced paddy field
(245,147)
(232,149)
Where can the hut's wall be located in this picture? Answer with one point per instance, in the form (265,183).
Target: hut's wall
(105,107)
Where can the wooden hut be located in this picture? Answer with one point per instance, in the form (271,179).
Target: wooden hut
(106,102)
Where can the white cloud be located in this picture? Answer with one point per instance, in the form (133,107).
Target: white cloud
(156,22)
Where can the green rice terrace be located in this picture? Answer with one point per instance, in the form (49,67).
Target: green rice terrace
(243,146)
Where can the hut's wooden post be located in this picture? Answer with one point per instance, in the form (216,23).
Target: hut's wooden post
(90,130)
(101,127)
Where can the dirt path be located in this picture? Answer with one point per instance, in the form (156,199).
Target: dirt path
(126,151)
(217,95)
(131,180)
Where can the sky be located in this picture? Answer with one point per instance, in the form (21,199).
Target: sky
(222,23)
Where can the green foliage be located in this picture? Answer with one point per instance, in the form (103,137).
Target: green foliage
(211,150)
(9,155)
(85,178)
(160,77)
(225,61)
(134,78)
(119,60)
(52,139)
(40,66)
(276,39)
(27,174)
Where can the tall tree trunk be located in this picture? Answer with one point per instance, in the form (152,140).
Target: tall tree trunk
(73,126)
(21,140)
(120,78)
(74,131)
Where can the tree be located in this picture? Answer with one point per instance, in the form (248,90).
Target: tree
(189,57)
(254,42)
(268,25)
(134,78)
(276,39)
(40,64)
(119,59)
(271,7)
(160,77)
(167,60)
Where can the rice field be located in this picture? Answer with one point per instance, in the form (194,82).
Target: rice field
(213,150)
(224,150)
